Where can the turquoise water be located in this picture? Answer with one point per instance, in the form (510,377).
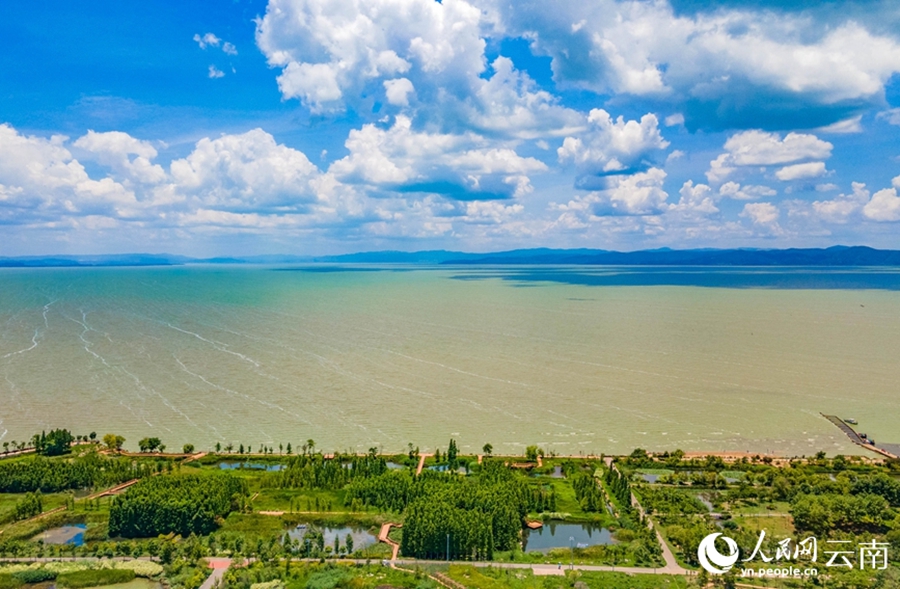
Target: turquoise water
(574,360)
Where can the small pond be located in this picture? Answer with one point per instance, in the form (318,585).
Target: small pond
(557,534)
(250,466)
(556,474)
(72,534)
(362,538)
(653,475)
(446,467)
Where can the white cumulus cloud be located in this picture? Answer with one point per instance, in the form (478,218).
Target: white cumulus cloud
(612,146)
(728,66)
(398,91)
(842,207)
(464,167)
(801,171)
(761,213)
(130,157)
(247,171)
(885,204)
(760,148)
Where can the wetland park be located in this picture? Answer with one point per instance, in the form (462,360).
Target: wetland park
(79,511)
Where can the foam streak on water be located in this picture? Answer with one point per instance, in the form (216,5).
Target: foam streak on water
(579,361)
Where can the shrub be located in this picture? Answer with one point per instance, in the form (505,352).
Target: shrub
(37,575)
(94,578)
(141,568)
(8,581)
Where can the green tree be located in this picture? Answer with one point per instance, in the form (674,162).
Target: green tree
(55,443)
(487,449)
(452,453)
(187,449)
(149,444)
(29,506)
(113,442)
(177,504)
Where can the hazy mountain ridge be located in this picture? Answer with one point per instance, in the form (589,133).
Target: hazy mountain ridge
(846,256)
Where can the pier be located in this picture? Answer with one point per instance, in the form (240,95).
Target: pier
(859,440)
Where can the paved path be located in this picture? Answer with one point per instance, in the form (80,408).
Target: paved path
(218,566)
(113,490)
(383,536)
(421,463)
(672,567)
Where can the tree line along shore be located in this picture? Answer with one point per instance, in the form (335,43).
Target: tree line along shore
(298,516)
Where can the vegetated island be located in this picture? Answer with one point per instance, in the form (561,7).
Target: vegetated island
(80,511)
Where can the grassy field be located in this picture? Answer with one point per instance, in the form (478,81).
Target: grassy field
(298,500)
(773,507)
(8,503)
(781,526)
(567,503)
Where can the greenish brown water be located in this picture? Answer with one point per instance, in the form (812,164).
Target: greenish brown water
(355,359)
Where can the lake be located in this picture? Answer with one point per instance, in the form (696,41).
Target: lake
(575,360)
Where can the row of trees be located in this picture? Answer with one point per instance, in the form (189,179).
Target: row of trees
(617,484)
(667,500)
(29,506)
(151,445)
(479,514)
(308,448)
(314,471)
(55,443)
(51,476)
(588,492)
(822,514)
(177,504)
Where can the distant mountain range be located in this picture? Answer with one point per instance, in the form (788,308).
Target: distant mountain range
(832,256)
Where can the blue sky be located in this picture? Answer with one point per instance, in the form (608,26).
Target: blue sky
(326,126)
